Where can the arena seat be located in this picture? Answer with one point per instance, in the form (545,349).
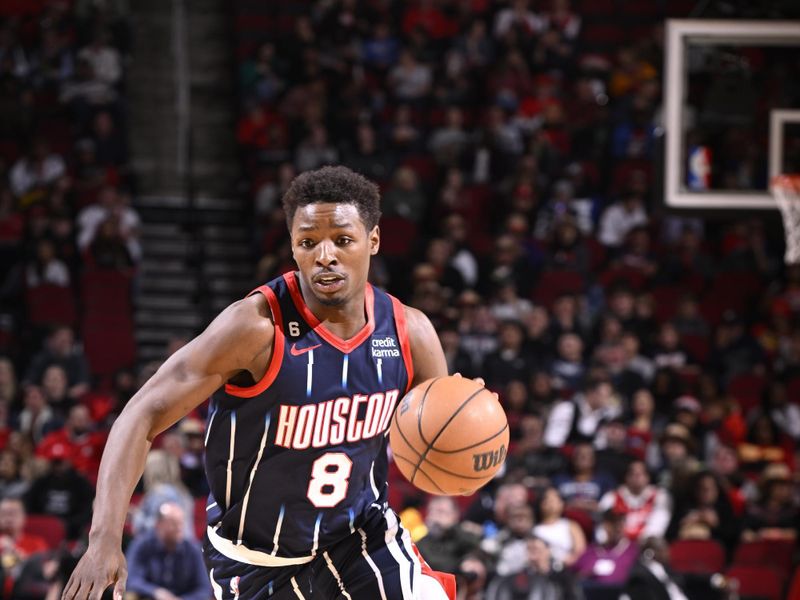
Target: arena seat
(697,346)
(748,389)
(48,527)
(793,592)
(758,582)
(50,305)
(583,519)
(553,284)
(698,557)
(772,553)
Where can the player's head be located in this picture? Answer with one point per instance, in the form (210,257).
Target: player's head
(333,214)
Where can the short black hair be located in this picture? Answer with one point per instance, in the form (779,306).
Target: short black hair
(334,184)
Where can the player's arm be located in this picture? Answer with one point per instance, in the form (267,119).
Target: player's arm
(426,349)
(239,339)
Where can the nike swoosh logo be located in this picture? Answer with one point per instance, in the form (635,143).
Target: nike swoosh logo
(299,352)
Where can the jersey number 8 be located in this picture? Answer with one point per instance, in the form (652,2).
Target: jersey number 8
(330,478)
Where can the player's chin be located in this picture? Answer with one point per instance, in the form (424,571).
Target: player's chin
(336,298)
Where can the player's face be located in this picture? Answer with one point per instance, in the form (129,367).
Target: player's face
(332,247)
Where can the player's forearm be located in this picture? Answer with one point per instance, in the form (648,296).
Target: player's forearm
(120,469)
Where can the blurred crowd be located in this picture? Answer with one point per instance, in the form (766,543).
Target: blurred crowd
(649,363)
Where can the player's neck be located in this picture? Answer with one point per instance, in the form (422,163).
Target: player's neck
(344,320)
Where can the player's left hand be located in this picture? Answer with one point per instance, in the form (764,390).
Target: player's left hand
(478,380)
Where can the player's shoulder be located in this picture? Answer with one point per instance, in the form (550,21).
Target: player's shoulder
(247,319)
(418,325)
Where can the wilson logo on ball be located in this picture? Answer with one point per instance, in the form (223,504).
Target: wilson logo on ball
(487,460)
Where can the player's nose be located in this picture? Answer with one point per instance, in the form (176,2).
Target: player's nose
(326,254)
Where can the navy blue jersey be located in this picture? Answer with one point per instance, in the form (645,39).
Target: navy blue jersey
(298,461)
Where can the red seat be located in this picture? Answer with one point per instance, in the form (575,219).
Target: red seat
(794,588)
(50,305)
(583,519)
(423,166)
(634,278)
(47,527)
(666,301)
(553,284)
(699,557)
(771,553)
(747,389)
(200,517)
(758,581)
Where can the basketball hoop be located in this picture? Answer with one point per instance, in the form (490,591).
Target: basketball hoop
(786,190)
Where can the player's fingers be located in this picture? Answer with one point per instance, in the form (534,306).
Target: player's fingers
(119,589)
(480,381)
(71,591)
(456,374)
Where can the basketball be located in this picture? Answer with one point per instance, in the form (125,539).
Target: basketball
(449,436)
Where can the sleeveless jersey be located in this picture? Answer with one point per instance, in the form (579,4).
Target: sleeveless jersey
(296,462)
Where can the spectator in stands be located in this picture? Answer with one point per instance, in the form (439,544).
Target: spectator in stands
(38,169)
(518,18)
(162,483)
(508,548)
(403,135)
(447,541)
(46,268)
(367,157)
(620,218)
(608,563)
(109,144)
(647,508)
(477,327)
(12,483)
(567,370)
(510,361)
(13,539)
(36,419)
(471,577)
(84,446)
(404,198)
(581,416)
(449,143)
(382,50)
(564,537)
(458,361)
(62,492)
(115,223)
(163,564)
(529,458)
(193,473)
(703,511)
(541,578)
(651,576)
(774,516)
(55,387)
(668,353)
(735,351)
(61,349)
(410,80)
(315,150)
(583,486)
(103,58)
(613,454)
(85,93)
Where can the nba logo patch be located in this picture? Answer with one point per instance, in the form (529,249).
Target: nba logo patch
(235,586)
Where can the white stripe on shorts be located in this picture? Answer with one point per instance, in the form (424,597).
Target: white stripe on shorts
(215,586)
(371,563)
(296,589)
(336,575)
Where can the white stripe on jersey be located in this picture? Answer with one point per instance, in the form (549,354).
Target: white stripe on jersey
(372,481)
(316,535)
(210,423)
(210,506)
(278,530)
(379,366)
(336,575)
(296,589)
(215,586)
(309,372)
(345,362)
(252,476)
(394,549)
(230,462)
(371,563)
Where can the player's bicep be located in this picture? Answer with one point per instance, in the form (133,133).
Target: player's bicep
(426,349)
(230,344)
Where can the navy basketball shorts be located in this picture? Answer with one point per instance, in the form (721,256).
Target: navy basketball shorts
(376,562)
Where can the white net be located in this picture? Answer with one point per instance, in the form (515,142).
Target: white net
(786,190)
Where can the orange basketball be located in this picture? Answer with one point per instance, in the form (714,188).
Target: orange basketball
(449,436)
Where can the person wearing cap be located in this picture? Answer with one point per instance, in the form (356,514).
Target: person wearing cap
(647,508)
(774,515)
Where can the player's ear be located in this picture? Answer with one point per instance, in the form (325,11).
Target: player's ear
(374,240)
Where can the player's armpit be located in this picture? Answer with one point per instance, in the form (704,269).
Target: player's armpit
(426,349)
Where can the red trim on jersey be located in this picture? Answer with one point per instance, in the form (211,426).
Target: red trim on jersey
(446,580)
(346,346)
(402,332)
(277,350)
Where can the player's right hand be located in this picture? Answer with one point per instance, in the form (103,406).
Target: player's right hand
(102,565)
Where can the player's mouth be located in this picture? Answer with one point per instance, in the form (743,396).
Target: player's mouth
(328,282)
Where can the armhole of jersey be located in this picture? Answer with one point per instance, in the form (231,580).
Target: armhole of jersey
(405,342)
(277,350)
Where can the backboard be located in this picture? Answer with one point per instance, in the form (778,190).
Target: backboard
(731,111)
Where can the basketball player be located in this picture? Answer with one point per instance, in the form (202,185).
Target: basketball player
(313,365)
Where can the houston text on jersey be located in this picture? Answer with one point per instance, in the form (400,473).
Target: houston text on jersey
(334,422)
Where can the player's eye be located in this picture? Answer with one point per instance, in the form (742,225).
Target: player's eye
(306,243)
(344,241)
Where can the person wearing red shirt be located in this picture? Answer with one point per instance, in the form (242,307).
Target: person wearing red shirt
(82,446)
(14,542)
